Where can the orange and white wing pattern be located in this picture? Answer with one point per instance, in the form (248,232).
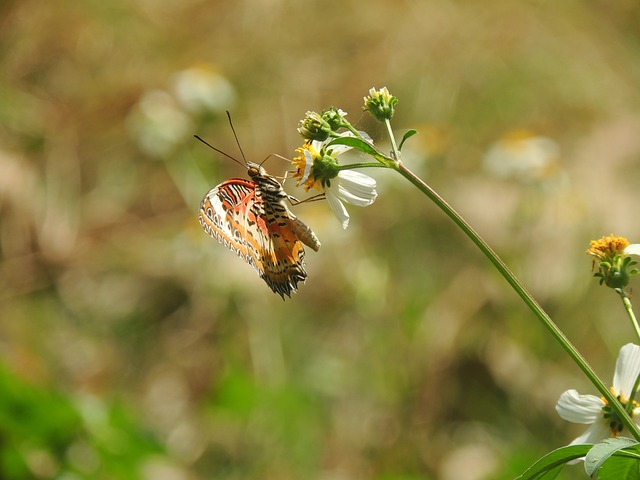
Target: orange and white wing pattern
(251,219)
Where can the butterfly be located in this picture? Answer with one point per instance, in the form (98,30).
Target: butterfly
(251,218)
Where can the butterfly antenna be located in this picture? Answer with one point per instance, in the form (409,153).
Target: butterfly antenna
(275,155)
(220,151)
(236,137)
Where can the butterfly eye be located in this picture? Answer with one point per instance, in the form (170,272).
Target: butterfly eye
(253,172)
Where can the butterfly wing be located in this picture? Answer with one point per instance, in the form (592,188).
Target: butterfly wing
(228,214)
(260,229)
(284,254)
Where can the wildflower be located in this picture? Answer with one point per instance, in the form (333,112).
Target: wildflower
(202,89)
(317,167)
(615,267)
(380,104)
(522,155)
(158,124)
(594,411)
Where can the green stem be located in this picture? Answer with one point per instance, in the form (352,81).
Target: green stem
(350,127)
(523,293)
(392,138)
(629,308)
(632,395)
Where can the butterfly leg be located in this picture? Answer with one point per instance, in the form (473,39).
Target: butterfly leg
(314,198)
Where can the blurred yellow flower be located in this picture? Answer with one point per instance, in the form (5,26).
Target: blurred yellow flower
(522,155)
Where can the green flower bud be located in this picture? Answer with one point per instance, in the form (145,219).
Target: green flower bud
(314,127)
(335,118)
(380,104)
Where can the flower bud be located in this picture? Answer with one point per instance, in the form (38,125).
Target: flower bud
(335,118)
(616,266)
(314,127)
(380,104)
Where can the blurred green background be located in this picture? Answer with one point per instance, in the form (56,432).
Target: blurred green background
(133,346)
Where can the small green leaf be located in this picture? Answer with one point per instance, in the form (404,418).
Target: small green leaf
(356,143)
(601,452)
(549,466)
(406,136)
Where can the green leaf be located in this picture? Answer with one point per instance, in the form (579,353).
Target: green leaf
(601,452)
(406,136)
(619,467)
(549,466)
(356,143)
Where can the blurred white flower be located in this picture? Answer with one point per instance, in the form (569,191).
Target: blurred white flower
(202,89)
(157,123)
(594,411)
(522,155)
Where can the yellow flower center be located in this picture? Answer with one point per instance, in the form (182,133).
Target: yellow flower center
(303,165)
(615,424)
(607,247)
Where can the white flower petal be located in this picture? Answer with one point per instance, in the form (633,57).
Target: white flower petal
(627,369)
(577,408)
(308,157)
(357,179)
(338,208)
(594,434)
(633,249)
(355,188)
(350,197)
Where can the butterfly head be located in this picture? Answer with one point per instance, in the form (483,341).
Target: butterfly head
(255,170)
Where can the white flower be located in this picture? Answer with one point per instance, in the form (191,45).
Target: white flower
(157,123)
(594,411)
(203,89)
(317,167)
(524,156)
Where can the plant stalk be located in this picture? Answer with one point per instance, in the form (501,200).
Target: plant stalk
(524,294)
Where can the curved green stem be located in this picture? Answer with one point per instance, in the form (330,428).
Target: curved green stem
(524,294)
